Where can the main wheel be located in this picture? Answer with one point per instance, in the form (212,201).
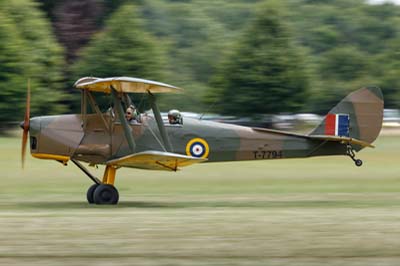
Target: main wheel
(105,194)
(90,193)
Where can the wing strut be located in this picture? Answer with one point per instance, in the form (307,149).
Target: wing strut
(124,123)
(94,105)
(160,123)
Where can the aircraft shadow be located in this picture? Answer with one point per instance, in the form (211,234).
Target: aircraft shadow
(200,204)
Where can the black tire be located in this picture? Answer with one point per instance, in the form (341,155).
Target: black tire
(90,193)
(358,162)
(105,194)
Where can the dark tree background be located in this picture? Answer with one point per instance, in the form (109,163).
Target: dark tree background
(266,71)
(248,57)
(28,49)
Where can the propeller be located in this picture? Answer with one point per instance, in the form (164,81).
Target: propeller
(25,123)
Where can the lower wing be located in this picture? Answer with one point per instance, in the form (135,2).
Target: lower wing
(155,160)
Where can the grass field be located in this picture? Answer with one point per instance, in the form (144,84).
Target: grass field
(320,211)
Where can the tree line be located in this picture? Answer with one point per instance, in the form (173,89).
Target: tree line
(235,57)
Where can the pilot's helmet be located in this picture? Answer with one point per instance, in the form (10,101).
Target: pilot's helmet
(174,117)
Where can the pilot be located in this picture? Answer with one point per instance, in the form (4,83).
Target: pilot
(175,117)
(131,115)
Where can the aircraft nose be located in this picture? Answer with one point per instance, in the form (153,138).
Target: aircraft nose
(22,124)
(29,124)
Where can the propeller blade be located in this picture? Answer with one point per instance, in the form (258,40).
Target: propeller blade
(23,152)
(28,106)
(26,123)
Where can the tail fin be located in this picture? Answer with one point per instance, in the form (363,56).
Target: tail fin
(359,115)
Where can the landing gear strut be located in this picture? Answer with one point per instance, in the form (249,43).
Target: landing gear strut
(101,192)
(351,154)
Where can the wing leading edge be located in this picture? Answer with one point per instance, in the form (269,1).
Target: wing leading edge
(125,84)
(155,160)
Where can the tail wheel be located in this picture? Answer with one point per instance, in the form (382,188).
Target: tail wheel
(105,194)
(352,155)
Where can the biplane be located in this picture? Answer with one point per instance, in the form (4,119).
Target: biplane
(106,137)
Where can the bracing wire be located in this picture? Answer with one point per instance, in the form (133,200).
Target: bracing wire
(154,135)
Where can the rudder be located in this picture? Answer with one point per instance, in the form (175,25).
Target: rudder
(359,115)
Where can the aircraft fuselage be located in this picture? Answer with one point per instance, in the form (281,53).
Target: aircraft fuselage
(97,140)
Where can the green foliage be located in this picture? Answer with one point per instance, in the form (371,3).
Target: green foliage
(28,50)
(348,41)
(196,36)
(265,73)
(201,46)
(12,63)
(193,42)
(343,64)
(341,70)
(387,73)
(123,48)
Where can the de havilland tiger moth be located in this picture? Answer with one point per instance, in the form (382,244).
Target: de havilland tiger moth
(149,142)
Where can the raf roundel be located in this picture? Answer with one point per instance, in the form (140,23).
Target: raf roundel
(197,148)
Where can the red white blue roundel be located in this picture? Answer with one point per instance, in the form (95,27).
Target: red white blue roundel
(197,147)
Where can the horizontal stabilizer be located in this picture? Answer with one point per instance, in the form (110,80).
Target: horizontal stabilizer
(155,160)
(343,140)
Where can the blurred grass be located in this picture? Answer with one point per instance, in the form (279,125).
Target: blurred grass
(285,212)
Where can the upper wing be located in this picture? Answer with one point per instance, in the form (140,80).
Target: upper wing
(155,160)
(125,84)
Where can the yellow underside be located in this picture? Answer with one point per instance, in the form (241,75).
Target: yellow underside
(109,175)
(155,160)
(56,157)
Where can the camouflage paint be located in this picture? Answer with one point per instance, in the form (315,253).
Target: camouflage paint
(97,143)
(365,107)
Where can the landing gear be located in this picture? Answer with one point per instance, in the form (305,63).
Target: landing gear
(101,192)
(352,155)
(90,193)
(106,194)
